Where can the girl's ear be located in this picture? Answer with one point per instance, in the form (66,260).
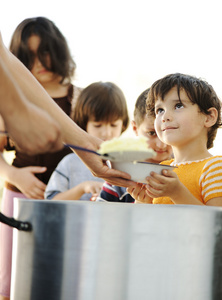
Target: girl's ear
(134,127)
(211,118)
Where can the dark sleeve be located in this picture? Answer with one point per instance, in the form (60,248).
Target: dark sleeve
(114,193)
(108,193)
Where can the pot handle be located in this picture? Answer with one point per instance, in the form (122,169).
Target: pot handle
(25,226)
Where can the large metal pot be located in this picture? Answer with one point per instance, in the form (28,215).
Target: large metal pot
(111,251)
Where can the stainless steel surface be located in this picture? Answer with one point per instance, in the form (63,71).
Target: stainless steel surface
(111,251)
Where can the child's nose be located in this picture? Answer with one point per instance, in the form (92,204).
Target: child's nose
(107,134)
(37,61)
(166,116)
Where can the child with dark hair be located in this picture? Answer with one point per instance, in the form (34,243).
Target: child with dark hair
(52,51)
(187,114)
(143,125)
(101,110)
(42,48)
(101,102)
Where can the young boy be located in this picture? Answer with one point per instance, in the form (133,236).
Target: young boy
(101,110)
(143,124)
(187,115)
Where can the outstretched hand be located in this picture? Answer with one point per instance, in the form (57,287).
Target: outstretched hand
(100,169)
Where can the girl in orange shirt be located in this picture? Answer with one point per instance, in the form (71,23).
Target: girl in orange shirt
(187,115)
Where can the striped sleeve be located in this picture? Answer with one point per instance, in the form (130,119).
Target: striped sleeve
(211,179)
(109,193)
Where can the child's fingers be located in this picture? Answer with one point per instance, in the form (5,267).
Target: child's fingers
(153,183)
(153,192)
(161,178)
(132,187)
(135,193)
(135,190)
(141,195)
(169,173)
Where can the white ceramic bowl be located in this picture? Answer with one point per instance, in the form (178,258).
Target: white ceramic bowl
(140,170)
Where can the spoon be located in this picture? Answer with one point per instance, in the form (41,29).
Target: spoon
(118,155)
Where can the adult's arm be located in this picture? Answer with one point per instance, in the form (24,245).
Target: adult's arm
(25,121)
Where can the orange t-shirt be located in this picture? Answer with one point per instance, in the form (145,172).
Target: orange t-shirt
(203,178)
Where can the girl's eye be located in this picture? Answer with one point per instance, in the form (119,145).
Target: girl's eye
(97,125)
(179,105)
(158,111)
(113,125)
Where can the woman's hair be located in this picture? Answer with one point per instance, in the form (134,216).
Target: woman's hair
(101,101)
(140,108)
(52,42)
(198,91)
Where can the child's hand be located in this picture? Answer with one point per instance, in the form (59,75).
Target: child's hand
(26,181)
(94,197)
(162,185)
(92,187)
(139,193)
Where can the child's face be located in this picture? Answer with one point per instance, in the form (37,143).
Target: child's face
(180,123)
(38,70)
(146,128)
(103,130)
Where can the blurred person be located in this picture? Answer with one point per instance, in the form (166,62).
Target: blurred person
(42,48)
(101,110)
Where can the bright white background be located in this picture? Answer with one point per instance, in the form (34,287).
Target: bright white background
(132,43)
